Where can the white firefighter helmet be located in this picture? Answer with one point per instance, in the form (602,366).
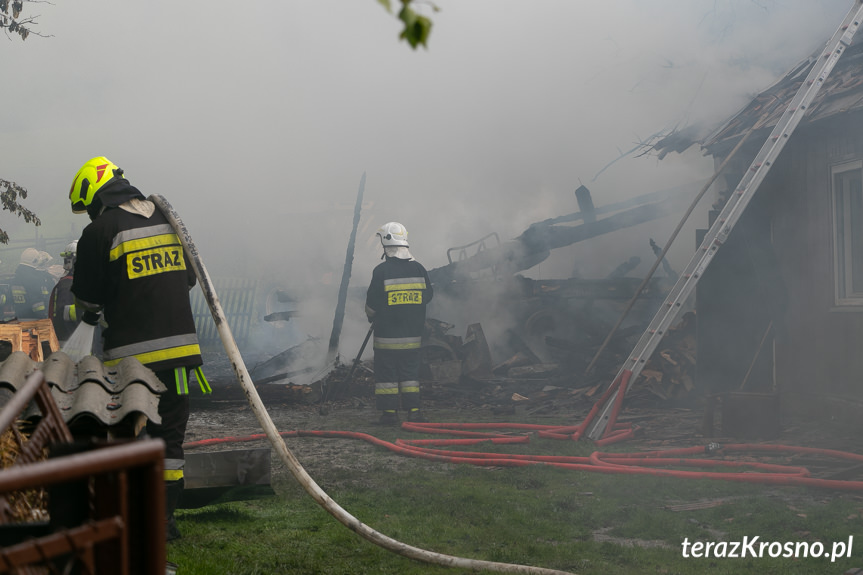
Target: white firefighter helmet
(69,255)
(393,234)
(31,257)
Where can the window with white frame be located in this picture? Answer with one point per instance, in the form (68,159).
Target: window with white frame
(847,184)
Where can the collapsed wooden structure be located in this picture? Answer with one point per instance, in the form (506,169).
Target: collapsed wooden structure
(36,338)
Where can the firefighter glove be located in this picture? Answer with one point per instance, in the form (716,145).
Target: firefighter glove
(90,317)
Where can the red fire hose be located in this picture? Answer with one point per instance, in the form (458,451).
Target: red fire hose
(657,463)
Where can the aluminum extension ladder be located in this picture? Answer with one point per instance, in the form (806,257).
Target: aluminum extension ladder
(725,222)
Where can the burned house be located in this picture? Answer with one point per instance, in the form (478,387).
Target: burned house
(781,306)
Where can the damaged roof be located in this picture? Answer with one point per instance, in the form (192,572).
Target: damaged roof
(87,392)
(841,93)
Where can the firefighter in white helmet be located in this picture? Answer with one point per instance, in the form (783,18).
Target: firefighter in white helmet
(31,286)
(396,302)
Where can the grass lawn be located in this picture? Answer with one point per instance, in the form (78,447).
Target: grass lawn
(576,521)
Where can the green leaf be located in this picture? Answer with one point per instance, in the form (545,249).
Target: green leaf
(417,28)
(386,4)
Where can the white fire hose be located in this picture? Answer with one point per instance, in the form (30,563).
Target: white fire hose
(287,456)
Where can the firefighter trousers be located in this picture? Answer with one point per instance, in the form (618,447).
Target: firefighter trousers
(174,411)
(397,379)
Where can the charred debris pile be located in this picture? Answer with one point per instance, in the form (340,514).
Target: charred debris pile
(554,342)
(544,369)
(544,358)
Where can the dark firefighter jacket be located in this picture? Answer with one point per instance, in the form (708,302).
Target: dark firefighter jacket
(398,295)
(31,289)
(61,308)
(136,268)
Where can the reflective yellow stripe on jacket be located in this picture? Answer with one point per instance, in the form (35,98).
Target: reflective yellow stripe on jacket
(397,284)
(154,350)
(142,239)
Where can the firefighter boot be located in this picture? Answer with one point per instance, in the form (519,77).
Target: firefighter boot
(416,416)
(389,418)
(173,490)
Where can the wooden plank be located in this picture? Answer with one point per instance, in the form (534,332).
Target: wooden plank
(34,344)
(12,334)
(45,328)
(35,338)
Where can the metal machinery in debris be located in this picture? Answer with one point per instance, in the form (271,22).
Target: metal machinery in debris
(557,319)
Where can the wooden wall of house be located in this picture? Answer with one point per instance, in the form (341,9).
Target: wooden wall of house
(737,298)
(820,347)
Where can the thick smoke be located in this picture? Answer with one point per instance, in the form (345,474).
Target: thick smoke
(258,125)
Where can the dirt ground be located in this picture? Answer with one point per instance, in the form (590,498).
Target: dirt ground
(322,458)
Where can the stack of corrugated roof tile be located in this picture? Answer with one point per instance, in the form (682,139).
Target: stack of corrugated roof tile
(93,398)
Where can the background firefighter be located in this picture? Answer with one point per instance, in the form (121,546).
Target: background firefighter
(31,286)
(61,304)
(132,267)
(396,302)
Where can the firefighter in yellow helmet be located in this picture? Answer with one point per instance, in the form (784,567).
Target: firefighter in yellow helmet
(131,266)
(396,302)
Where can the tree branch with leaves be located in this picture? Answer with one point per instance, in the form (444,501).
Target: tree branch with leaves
(417,27)
(9,194)
(11,21)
